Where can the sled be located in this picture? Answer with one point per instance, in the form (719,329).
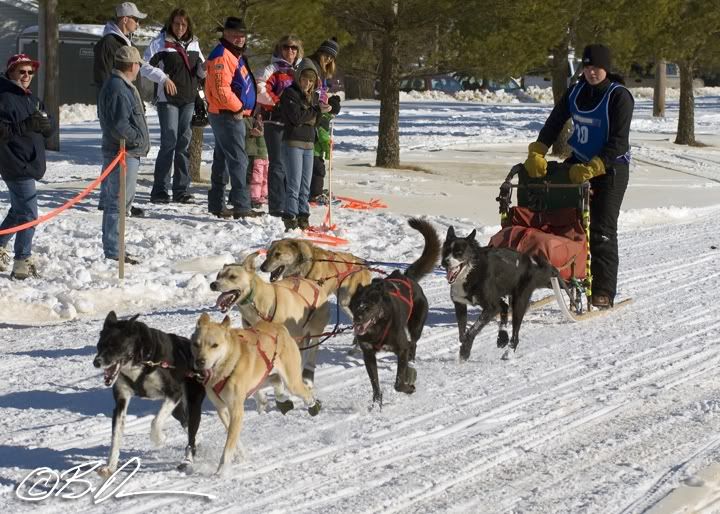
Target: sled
(552,218)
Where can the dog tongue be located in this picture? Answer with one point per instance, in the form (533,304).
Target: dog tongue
(222,301)
(450,275)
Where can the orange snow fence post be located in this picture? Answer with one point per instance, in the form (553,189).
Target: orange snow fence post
(45,217)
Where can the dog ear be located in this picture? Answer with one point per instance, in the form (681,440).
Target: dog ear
(305,250)
(134,318)
(471,236)
(450,233)
(249,262)
(111,319)
(226,321)
(203,319)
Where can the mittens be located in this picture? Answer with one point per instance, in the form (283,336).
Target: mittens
(580,173)
(535,164)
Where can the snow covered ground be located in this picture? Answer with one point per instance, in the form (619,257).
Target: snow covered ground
(608,415)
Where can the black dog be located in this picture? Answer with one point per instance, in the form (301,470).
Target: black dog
(388,311)
(483,276)
(145,362)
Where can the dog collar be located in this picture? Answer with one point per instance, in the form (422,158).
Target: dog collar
(249,298)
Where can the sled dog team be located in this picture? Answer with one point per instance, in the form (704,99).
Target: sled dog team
(282,322)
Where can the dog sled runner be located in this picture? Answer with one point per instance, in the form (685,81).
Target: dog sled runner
(552,218)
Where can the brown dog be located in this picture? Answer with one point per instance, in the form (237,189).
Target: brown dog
(299,304)
(339,273)
(237,362)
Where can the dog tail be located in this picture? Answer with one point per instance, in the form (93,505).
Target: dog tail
(427,261)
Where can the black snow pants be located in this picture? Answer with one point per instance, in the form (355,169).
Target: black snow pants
(607,195)
(318,176)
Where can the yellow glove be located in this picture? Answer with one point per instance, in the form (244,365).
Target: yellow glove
(535,164)
(580,173)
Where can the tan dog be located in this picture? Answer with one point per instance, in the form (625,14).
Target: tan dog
(339,273)
(299,304)
(237,362)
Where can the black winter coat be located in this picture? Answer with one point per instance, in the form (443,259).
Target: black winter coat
(22,151)
(299,116)
(620,111)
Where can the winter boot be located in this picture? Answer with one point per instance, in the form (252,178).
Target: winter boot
(290,223)
(4,259)
(303,221)
(24,268)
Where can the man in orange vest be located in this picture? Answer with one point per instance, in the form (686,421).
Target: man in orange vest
(230,92)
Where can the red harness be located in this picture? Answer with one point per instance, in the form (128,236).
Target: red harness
(408,300)
(220,385)
(350,268)
(295,289)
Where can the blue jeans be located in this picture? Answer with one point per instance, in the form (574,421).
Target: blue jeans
(298,175)
(230,163)
(23,208)
(175,134)
(111,212)
(276,171)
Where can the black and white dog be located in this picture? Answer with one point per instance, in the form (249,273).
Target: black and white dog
(145,362)
(482,276)
(389,314)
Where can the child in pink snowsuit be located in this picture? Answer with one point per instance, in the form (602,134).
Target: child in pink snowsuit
(257,161)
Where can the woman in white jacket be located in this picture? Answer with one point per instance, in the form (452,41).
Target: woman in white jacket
(175,63)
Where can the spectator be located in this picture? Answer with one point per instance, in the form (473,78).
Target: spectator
(176,64)
(300,111)
(325,62)
(117,33)
(601,109)
(24,125)
(230,92)
(275,78)
(258,161)
(122,116)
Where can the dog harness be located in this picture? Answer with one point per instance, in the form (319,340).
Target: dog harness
(408,300)
(249,299)
(269,364)
(350,268)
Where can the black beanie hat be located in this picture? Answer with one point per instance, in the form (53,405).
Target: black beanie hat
(233,23)
(330,47)
(598,56)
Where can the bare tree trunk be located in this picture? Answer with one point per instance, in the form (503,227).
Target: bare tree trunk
(49,38)
(659,91)
(560,74)
(195,152)
(686,118)
(388,150)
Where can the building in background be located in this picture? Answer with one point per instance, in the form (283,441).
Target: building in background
(15,15)
(76,59)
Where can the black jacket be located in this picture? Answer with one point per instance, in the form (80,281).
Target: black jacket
(620,110)
(22,151)
(182,61)
(104,53)
(299,115)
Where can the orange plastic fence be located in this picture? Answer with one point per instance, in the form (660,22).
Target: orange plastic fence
(354,203)
(120,158)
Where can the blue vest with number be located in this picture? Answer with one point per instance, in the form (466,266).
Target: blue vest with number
(590,128)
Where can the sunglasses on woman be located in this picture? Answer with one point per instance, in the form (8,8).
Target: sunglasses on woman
(26,72)
(291,47)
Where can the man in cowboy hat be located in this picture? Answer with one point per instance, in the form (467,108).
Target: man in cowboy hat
(231,94)
(24,125)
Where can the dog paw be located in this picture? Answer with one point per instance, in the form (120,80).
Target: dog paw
(285,406)
(405,388)
(105,471)
(503,339)
(410,375)
(157,437)
(314,409)
(185,467)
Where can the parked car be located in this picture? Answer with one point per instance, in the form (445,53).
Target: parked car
(542,77)
(445,83)
(472,83)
